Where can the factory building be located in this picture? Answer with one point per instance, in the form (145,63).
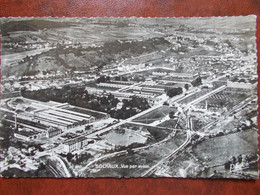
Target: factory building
(75,144)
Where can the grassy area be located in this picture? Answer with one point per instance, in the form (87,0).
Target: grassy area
(225,99)
(154,115)
(213,153)
(156,134)
(195,96)
(172,124)
(124,137)
(218,150)
(183,161)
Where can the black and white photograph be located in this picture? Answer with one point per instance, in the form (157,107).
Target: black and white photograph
(129,97)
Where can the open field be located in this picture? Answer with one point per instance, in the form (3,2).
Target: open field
(126,137)
(224,99)
(156,134)
(225,147)
(195,96)
(172,123)
(191,163)
(154,115)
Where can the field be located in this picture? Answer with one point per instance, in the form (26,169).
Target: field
(126,137)
(225,147)
(199,123)
(129,135)
(191,163)
(227,98)
(156,133)
(172,123)
(155,115)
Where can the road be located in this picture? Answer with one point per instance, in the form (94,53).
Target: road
(64,172)
(153,168)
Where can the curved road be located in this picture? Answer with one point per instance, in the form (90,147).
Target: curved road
(63,173)
(185,143)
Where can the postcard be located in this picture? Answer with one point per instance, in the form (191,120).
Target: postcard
(129,97)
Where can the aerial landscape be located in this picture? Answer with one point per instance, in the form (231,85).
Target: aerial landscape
(129,97)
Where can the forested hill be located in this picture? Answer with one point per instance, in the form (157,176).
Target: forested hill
(30,25)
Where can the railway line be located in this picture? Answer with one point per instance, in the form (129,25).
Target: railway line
(171,155)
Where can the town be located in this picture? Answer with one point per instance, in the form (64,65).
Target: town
(166,101)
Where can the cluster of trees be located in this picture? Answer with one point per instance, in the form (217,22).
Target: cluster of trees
(174,91)
(196,82)
(121,78)
(130,147)
(233,161)
(103,79)
(78,96)
(72,95)
(186,86)
(130,107)
(77,158)
(6,132)
(239,159)
(237,79)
